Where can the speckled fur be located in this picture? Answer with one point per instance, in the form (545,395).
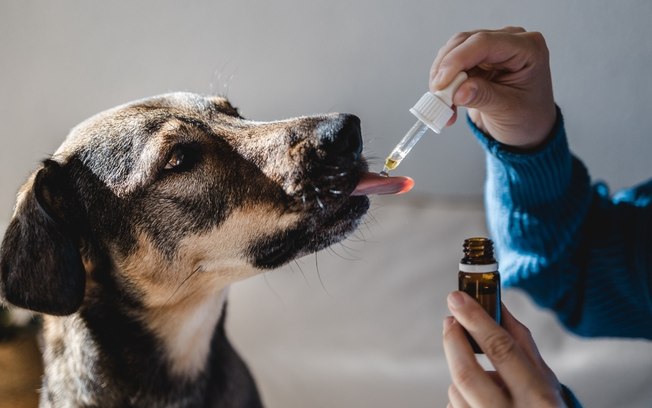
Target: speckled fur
(130,262)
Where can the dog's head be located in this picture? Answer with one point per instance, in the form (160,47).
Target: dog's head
(179,186)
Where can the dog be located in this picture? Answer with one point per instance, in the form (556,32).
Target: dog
(127,239)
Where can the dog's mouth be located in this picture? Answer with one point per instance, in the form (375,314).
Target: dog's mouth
(334,216)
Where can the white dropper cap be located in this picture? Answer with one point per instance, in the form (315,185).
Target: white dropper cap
(434,109)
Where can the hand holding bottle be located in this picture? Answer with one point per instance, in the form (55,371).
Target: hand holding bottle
(509,90)
(522,378)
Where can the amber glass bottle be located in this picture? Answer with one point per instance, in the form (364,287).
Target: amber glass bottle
(479,277)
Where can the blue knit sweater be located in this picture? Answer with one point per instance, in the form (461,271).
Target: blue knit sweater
(574,248)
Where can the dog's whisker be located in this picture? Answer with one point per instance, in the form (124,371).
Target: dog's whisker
(336,192)
(337,175)
(321,281)
(337,254)
(330,166)
(355,238)
(305,279)
(183,282)
(321,205)
(350,252)
(276,294)
(364,225)
(372,218)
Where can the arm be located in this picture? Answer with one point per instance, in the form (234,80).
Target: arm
(572,247)
(576,250)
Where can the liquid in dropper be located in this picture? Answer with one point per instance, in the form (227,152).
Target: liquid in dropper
(404,146)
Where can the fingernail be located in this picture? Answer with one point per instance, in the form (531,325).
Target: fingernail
(465,95)
(455,300)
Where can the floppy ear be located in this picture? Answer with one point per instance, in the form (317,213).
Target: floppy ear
(40,263)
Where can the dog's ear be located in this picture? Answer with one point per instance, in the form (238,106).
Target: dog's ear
(40,263)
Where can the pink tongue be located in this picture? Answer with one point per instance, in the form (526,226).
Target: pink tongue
(373,183)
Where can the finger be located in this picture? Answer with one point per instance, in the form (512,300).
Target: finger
(521,334)
(513,365)
(453,42)
(456,40)
(455,398)
(469,378)
(453,118)
(495,50)
(524,338)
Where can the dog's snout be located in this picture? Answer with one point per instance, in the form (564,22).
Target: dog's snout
(341,136)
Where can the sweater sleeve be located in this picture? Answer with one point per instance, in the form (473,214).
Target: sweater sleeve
(574,248)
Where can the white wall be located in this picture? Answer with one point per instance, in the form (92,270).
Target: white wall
(64,60)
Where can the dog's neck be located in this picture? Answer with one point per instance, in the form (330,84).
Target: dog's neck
(185,330)
(112,354)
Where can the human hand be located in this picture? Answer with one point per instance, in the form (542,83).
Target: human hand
(509,90)
(521,379)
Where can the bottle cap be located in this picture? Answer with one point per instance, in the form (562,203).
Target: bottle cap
(434,109)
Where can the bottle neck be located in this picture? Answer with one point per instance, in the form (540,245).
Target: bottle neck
(478,251)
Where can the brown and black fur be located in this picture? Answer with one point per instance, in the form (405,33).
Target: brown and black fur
(127,239)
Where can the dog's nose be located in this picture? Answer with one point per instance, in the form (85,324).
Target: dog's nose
(341,136)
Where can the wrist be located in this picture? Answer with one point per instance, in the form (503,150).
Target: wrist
(539,135)
(522,134)
(536,144)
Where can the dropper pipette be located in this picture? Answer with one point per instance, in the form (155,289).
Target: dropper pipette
(433,110)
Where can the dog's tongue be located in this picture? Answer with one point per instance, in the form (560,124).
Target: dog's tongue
(374,183)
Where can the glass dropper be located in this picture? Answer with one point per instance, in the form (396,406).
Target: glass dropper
(433,110)
(404,146)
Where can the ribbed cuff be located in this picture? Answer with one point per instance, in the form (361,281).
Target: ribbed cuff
(533,177)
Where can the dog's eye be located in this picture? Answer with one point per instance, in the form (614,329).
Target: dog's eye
(175,160)
(182,158)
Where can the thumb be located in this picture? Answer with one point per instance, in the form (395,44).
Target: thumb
(479,94)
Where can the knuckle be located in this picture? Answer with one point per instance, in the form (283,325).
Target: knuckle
(515,29)
(481,36)
(538,40)
(433,72)
(452,392)
(454,396)
(526,332)
(441,53)
(499,346)
(447,334)
(459,37)
(464,377)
